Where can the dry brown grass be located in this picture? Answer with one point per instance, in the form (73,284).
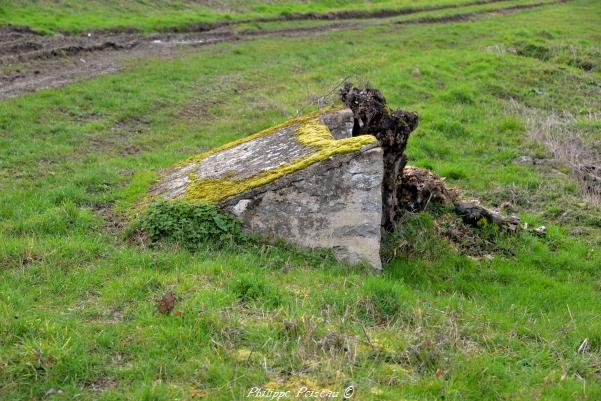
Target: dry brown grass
(559,133)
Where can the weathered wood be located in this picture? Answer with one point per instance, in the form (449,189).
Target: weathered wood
(419,188)
(474,214)
(392,129)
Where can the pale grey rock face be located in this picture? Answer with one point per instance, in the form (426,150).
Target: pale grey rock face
(253,157)
(336,203)
(340,123)
(243,161)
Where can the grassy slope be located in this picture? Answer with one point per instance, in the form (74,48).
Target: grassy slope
(152,15)
(419,15)
(77,308)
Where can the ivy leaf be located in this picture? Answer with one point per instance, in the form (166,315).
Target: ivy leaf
(220,223)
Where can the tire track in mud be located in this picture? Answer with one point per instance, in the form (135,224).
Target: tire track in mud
(30,61)
(385,13)
(475,15)
(329,16)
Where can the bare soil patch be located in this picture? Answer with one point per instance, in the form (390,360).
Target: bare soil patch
(29,61)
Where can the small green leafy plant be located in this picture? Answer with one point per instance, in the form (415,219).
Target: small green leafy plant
(189,225)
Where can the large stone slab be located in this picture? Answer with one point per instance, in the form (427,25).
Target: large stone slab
(334,204)
(306,181)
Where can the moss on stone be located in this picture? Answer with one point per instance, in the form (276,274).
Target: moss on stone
(268,131)
(309,132)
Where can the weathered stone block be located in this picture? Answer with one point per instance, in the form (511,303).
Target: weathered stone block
(306,181)
(336,203)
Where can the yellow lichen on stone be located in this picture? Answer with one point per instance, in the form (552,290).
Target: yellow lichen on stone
(314,134)
(268,131)
(310,132)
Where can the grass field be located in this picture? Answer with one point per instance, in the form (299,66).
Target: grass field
(503,318)
(53,16)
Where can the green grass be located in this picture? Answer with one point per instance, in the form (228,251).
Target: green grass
(53,16)
(461,8)
(78,300)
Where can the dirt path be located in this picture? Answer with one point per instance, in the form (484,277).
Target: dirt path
(29,61)
(385,13)
(475,15)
